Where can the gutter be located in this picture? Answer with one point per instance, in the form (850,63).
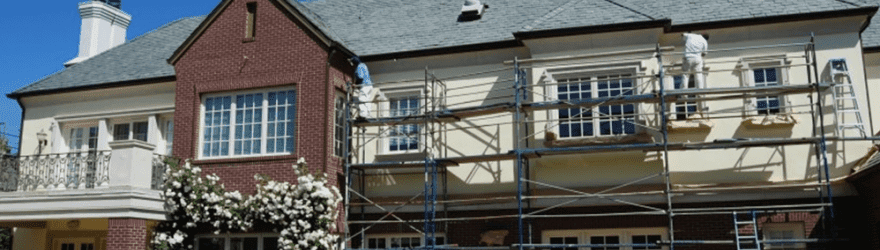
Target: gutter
(869,11)
(95,86)
(20,126)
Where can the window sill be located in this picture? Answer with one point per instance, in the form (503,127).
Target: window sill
(770,121)
(552,141)
(246,159)
(248,40)
(409,156)
(690,125)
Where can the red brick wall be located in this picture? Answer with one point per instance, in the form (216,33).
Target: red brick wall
(282,54)
(126,234)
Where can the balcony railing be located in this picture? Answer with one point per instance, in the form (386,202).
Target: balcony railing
(69,171)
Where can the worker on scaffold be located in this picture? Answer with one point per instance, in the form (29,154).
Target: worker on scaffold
(366,86)
(695,47)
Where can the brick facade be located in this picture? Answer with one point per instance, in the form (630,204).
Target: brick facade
(126,234)
(282,54)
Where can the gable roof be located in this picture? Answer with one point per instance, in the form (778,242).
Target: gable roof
(871,35)
(380,29)
(141,58)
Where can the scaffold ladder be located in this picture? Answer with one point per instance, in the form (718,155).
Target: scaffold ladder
(750,240)
(845,102)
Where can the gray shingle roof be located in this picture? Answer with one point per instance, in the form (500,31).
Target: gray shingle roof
(377,27)
(144,57)
(871,35)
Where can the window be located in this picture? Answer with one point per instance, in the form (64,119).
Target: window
(612,120)
(256,123)
(339,126)
(83,139)
(565,240)
(684,109)
(784,231)
(238,242)
(767,104)
(401,241)
(403,138)
(250,31)
(604,237)
(131,131)
(609,239)
(81,166)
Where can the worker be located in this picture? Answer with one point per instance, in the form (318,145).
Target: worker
(695,47)
(366,86)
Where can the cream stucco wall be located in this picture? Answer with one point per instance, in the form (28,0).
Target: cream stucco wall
(835,38)
(55,114)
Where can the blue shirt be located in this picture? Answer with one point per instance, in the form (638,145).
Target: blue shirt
(364,74)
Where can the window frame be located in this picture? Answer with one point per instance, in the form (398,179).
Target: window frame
(227,239)
(388,237)
(556,75)
(385,111)
(796,227)
(232,123)
(67,133)
(339,124)
(624,235)
(131,123)
(780,64)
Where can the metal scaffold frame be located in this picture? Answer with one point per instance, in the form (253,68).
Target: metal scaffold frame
(434,112)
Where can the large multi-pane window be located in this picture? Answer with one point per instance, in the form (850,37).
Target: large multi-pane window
(606,239)
(130,131)
(400,241)
(767,104)
(603,120)
(684,109)
(339,126)
(248,124)
(403,138)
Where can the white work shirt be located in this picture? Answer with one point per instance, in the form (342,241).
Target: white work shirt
(694,45)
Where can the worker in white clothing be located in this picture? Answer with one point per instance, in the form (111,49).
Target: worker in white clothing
(695,47)
(366,86)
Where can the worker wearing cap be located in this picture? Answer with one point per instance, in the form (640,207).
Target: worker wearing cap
(695,47)
(366,86)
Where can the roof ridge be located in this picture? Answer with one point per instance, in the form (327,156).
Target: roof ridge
(549,15)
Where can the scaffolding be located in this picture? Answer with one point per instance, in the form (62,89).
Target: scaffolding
(426,127)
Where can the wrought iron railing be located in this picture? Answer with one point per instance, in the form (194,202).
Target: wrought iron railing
(80,170)
(160,164)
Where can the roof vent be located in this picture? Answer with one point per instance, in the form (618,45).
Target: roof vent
(472,10)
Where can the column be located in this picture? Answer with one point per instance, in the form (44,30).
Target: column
(153,130)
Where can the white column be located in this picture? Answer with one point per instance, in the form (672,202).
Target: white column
(57,139)
(153,130)
(103,135)
(131,164)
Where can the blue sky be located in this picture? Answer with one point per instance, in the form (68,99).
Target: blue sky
(44,34)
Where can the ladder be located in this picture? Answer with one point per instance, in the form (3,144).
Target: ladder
(748,241)
(845,103)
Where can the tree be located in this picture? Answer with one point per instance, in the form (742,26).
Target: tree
(5,238)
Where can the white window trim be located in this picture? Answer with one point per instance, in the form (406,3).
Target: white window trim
(165,132)
(67,134)
(228,238)
(550,87)
(388,237)
(264,128)
(797,227)
(385,111)
(672,106)
(624,234)
(56,244)
(338,97)
(780,63)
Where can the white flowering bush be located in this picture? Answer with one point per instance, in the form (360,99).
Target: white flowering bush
(304,213)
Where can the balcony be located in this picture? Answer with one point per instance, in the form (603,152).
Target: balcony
(124,181)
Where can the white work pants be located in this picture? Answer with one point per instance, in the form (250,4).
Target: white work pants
(693,65)
(364,98)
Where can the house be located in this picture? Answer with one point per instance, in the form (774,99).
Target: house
(527,124)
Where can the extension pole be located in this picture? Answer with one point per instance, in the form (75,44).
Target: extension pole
(664,130)
(519,156)
(822,144)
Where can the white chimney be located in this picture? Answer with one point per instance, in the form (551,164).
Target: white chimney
(103,27)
